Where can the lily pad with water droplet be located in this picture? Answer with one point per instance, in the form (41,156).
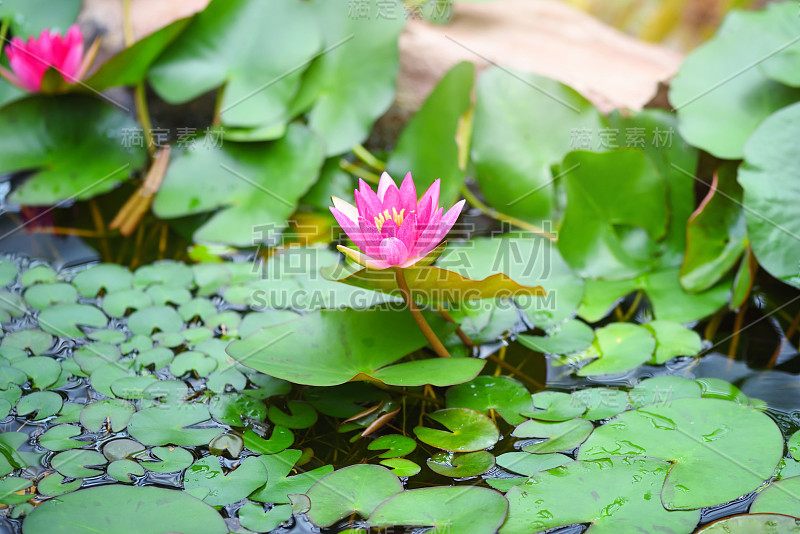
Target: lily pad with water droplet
(229,408)
(612,495)
(467,431)
(602,403)
(555,406)
(468,464)
(706,439)
(447,509)
(113,509)
(502,394)
(357,489)
(663,390)
(222,489)
(754,524)
(781,497)
(562,436)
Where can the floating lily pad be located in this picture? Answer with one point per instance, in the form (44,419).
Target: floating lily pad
(468,464)
(11,457)
(301,415)
(12,490)
(41,296)
(468,430)
(737,446)
(59,437)
(44,403)
(42,370)
(672,340)
(781,497)
(610,494)
(207,474)
(617,347)
(356,489)
(34,341)
(8,272)
(663,390)
(166,425)
(229,408)
(561,436)
(754,524)
(109,510)
(502,394)
(107,277)
(252,516)
(567,338)
(119,449)
(116,411)
(395,444)
(65,320)
(602,403)
(53,485)
(279,484)
(447,509)
(401,467)
(78,463)
(229,445)
(121,470)
(170,459)
(555,406)
(529,464)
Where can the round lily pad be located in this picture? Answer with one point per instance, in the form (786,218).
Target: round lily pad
(602,403)
(161,318)
(781,497)
(113,509)
(555,406)
(401,467)
(617,348)
(165,425)
(754,524)
(468,464)
(529,464)
(301,415)
(116,411)
(502,394)
(663,390)
(469,431)
(222,489)
(121,470)
(706,439)
(672,340)
(562,436)
(78,463)
(395,444)
(170,459)
(41,296)
(65,320)
(107,277)
(567,338)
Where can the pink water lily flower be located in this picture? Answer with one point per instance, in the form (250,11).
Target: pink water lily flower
(29,61)
(391,227)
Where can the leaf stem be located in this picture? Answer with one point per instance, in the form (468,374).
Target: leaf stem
(358,171)
(367,157)
(140,94)
(3,33)
(494,214)
(423,325)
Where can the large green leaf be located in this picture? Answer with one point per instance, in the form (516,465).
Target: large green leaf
(613,495)
(31,17)
(74,146)
(705,439)
(716,234)
(485,394)
(258,51)
(206,480)
(754,524)
(114,509)
(427,147)
(256,185)
(352,83)
(356,344)
(781,497)
(771,193)
(617,347)
(524,124)
(616,213)
(720,93)
(467,430)
(166,425)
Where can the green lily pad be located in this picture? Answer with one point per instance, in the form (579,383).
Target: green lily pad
(119,303)
(618,347)
(467,431)
(281,439)
(65,320)
(42,370)
(602,403)
(121,470)
(12,490)
(11,375)
(716,388)
(72,143)
(794,445)
(279,484)
(401,467)
(92,356)
(468,464)
(736,445)
(58,438)
(8,272)
(119,449)
(38,274)
(166,425)
(33,341)
(161,318)
(207,474)
(555,406)
(76,463)
(502,394)
(166,273)
(229,408)
(754,524)
(110,510)
(252,516)
(672,340)
(447,509)
(192,361)
(610,494)
(529,464)
(567,338)
(561,436)
(356,489)
(301,415)
(781,497)
(44,403)
(53,485)
(31,17)
(116,411)
(41,296)
(229,445)
(663,390)
(108,277)
(368,340)
(395,445)
(170,460)
(11,457)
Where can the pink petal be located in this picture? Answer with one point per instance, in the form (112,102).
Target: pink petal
(371,237)
(384,184)
(408,194)
(450,218)
(409,231)
(433,194)
(363,259)
(368,203)
(425,210)
(391,199)
(389,228)
(345,207)
(393,251)
(428,236)
(350,227)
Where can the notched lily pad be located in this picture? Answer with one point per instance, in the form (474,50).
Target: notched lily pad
(468,430)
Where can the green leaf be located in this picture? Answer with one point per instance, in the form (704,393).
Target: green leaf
(104,276)
(502,394)
(554,406)
(42,370)
(216,49)
(515,111)
(617,347)
(467,430)
(672,340)
(75,463)
(529,464)
(447,509)
(119,449)
(468,464)
(38,274)
(427,146)
(602,403)
(54,485)
(279,485)
(616,213)
(720,97)
(116,411)
(781,497)
(567,338)
(663,390)
(166,273)
(110,510)
(11,457)
(754,524)
(44,403)
(395,444)
(161,318)
(561,436)
(353,82)
(31,17)
(121,470)
(770,190)
(73,145)
(736,445)
(301,415)
(171,459)
(241,181)
(231,408)
(65,320)
(11,490)
(357,489)
(611,494)
(206,474)
(58,438)
(130,66)
(166,425)
(366,341)
(401,467)
(253,517)
(8,272)
(41,296)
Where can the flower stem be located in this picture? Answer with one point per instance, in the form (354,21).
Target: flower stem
(358,171)
(423,325)
(494,214)
(367,157)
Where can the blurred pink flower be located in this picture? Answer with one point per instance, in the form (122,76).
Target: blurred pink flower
(29,61)
(391,227)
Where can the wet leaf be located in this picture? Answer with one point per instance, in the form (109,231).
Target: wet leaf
(301,415)
(554,406)
(663,390)
(602,403)
(753,524)
(468,464)
(109,510)
(401,467)
(78,463)
(167,425)
(229,408)
(467,430)
(610,494)
(673,340)
(446,509)
(207,474)
(567,338)
(279,485)
(502,394)
(561,436)
(781,497)
(253,517)
(529,464)
(357,489)
(617,347)
(736,445)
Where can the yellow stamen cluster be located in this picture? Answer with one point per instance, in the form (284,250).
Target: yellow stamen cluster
(385,216)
